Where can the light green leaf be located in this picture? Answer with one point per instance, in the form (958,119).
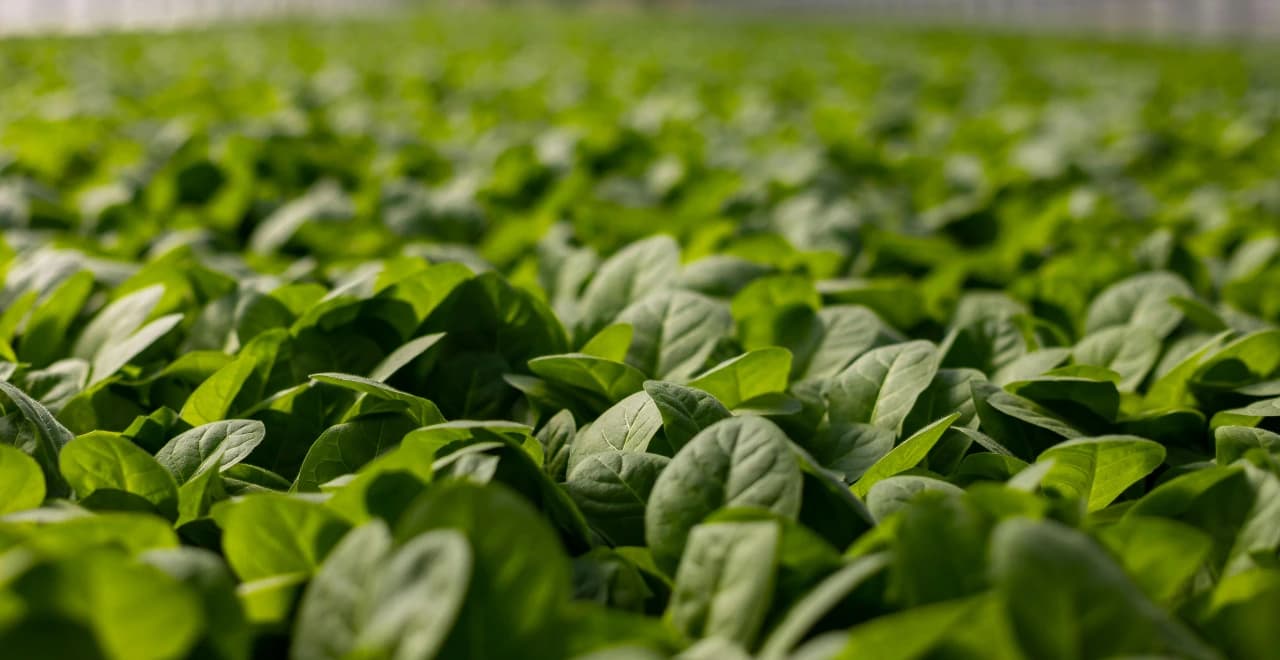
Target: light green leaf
(628,426)
(1097,470)
(132,611)
(747,376)
(848,331)
(21,482)
(611,343)
(216,445)
(641,268)
(115,355)
(214,398)
(905,456)
(40,436)
(610,379)
(738,462)
(1129,351)
(116,322)
(725,582)
(881,387)
(521,576)
(1142,300)
(272,535)
(906,635)
(1068,599)
(402,356)
(101,461)
(674,333)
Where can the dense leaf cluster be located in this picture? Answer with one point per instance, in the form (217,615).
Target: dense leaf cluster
(609,339)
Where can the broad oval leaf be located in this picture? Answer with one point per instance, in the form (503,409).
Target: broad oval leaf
(21,482)
(1142,300)
(635,271)
(725,582)
(674,334)
(685,410)
(612,488)
(1098,470)
(738,462)
(218,445)
(881,387)
(272,535)
(101,461)
(627,426)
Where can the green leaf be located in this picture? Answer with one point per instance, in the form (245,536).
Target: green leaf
(1161,555)
(685,410)
(334,606)
(1020,425)
(226,634)
(938,518)
(612,488)
(1129,351)
(1068,599)
(116,322)
(905,456)
(369,601)
(628,426)
(21,482)
(611,343)
(747,376)
(725,582)
(415,598)
(556,437)
(45,336)
(1171,388)
(641,268)
(1098,470)
(271,535)
(1071,395)
(805,614)
(40,436)
(399,358)
(216,445)
(215,398)
(345,448)
(848,331)
(881,387)
(948,392)
(906,635)
(1032,364)
(610,379)
(127,610)
(70,534)
(198,495)
(738,462)
(101,461)
(849,449)
(1250,415)
(674,333)
(1142,300)
(421,410)
(1234,442)
(520,580)
(115,355)
(888,496)
(987,344)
